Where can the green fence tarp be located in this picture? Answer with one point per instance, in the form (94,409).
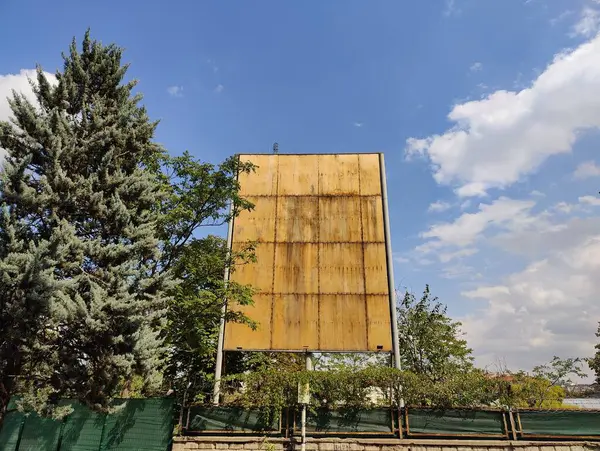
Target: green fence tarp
(364,421)
(455,422)
(560,423)
(40,434)
(11,429)
(82,429)
(231,419)
(139,425)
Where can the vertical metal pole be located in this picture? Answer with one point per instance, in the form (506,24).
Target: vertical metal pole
(390,263)
(309,367)
(390,268)
(219,362)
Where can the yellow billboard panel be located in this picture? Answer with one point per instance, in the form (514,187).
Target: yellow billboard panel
(321,273)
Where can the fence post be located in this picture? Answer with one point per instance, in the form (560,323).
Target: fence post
(513,426)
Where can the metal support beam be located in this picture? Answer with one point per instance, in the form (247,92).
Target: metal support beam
(390,269)
(309,367)
(219,362)
(390,264)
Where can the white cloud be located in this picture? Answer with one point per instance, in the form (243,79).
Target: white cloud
(175,91)
(476,67)
(469,227)
(358,124)
(449,256)
(498,140)
(547,309)
(219,88)
(587,169)
(562,16)
(537,193)
(20,83)
(588,24)
(590,200)
(400,259)
(451,8)
(486,292)
(439,206)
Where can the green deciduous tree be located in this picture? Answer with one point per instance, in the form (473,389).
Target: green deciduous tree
(430,341)
(81,301)
(200,195)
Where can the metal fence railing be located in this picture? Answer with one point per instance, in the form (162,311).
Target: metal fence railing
(410,422)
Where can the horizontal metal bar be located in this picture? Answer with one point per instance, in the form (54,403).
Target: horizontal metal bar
(313,153)
(562,437)
(316,196)
(386,434)
(327,293)
(321,351)
(440,434)
(225,431)
(319,242)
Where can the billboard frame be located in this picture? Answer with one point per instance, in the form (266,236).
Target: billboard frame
(390,277)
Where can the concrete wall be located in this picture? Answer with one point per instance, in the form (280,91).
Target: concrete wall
(331,444)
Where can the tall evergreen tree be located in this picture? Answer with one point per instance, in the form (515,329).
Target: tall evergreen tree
(81,300)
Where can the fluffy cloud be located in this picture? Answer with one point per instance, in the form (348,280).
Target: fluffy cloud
(547,309)
(175,91)
(469,227)
(20,83)
(439,206)
(476,67)
(498,140)
(586,170)
(590,200)
(446,257)
(588,24)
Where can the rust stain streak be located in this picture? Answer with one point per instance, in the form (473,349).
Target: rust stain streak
(364,274)
(274,254)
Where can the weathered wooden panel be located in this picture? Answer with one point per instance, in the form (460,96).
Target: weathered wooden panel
(338,174)
(378,322)
(258,224)
(372,219)
(341,268)
(296,268)
(376,281)
(343,322)
(339,219)
(296,321)
(298,175)
(321,270)
(259,274)
(298,219)
(263,181)
(370,175)
(240,336)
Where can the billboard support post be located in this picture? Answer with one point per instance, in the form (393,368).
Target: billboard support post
(390,264)
(390,269)
(221,338)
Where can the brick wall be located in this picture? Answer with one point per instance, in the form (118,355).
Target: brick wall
(331,444)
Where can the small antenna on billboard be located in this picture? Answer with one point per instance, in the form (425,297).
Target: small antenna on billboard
(275,148)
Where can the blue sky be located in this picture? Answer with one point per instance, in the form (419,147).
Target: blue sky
(487,112)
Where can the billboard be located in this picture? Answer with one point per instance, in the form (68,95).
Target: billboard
(321,275)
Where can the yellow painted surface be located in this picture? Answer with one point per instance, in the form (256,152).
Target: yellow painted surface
(321,271)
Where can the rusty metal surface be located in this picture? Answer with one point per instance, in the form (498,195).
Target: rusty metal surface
(321,271)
